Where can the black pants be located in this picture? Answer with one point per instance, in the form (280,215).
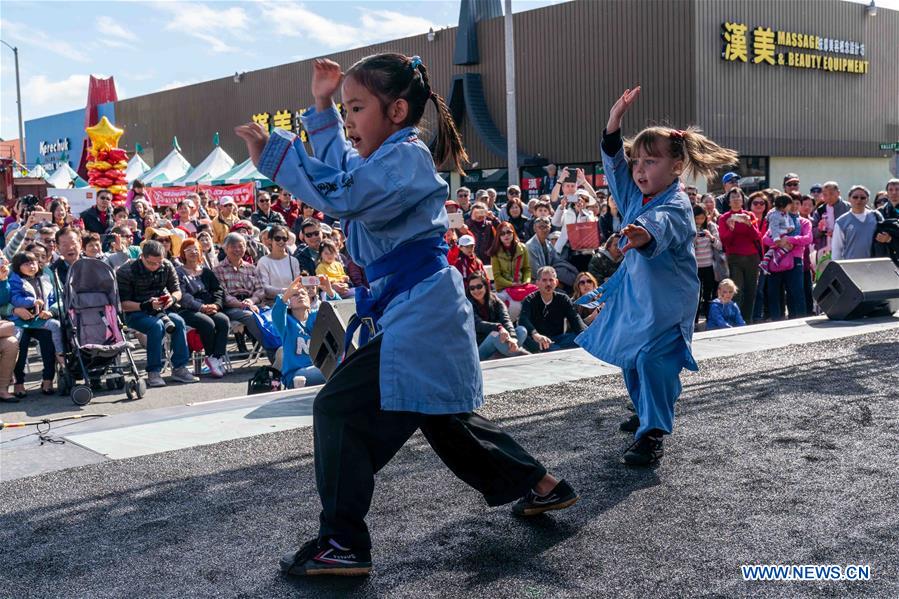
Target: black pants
(807,286)
(213,330)
(48,354)
(355,438)
(708,289)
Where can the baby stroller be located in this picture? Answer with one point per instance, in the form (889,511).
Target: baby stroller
(93,325)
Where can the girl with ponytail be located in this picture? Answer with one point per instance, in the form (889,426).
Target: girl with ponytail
(647,308)
(374,173)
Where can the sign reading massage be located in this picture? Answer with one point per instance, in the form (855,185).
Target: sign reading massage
(849,56)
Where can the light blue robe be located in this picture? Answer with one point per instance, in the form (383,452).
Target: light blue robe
(646,324)
(429,358)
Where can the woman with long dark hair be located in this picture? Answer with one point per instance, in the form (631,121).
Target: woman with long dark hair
(493,327)
(511,264)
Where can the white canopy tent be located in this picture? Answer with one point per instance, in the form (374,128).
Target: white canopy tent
(217,163)
(63,177)
(136,168)
(174,166)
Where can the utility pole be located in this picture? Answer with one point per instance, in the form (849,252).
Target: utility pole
(15,52)
(511,116)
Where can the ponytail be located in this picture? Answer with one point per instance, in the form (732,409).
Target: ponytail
(448,145)
(701,155)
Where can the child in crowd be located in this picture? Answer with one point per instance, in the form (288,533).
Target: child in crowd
(31,290)
(647,308)
(723,312)
(779,224)
(329,265)
(374,173)
(295,329)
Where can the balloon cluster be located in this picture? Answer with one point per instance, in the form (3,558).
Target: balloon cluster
(106,169)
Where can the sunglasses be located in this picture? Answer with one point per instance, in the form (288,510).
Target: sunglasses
(279,238)
(506,234)
(758,202)
(585,282)
(475,287)
(858,197)
(313,234)
(263,201)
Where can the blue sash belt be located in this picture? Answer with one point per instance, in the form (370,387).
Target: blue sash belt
(407,265)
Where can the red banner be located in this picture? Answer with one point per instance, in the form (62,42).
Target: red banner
(243,193)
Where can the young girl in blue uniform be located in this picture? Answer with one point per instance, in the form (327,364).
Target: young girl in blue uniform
(374,173)
(647,308)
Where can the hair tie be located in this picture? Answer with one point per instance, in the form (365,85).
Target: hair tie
(677,134)
(416,62)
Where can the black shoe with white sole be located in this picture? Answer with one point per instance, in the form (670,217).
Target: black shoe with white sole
(645,451)
(561,497)
(326,558)
(630,425)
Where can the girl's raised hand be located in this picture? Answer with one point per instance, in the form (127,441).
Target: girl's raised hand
(326,78)
(621,106)
(255,137)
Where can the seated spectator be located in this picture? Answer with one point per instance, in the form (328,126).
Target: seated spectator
(310,234)
(511,264)
(264,215)
(244,292)
(225,219)
(584,284)
(492,325)
(329,265)
(208,251)
(69,242)
(543,252)
(294,319)
(540,209)
(544,314)
(185,210)
(278,269)
(147,288)
(202,306)
(170,242)
(606,260)
(467,263)
(35,307)
(287,207)
(724,313)
(9,349)
(322,292)
(121,248)
(255,248)
(93,247)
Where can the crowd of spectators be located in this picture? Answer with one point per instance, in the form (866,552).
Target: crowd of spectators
(211,266)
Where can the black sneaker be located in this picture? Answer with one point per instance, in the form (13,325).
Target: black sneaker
(630,425)
(561,497)
(326,558)
(646,450)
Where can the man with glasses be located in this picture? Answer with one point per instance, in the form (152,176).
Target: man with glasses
(225,219)
(729,180)
(463,198)
(264,215)
(121,248)
(544,314)
(791,183)
(542,252)
(855,233)
(307,254)
(692,193)
(826,215)
(98,218)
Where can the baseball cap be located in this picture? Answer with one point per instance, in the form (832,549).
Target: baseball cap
(452,204)
(583,193)
(466,240)
(227,200)
(791,177)
(729,177)
(816,188)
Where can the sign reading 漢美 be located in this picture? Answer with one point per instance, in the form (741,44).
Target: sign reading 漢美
(785,48)
(286,119)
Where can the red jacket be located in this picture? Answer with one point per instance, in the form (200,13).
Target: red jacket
(290,214)
(468,266)
(744,239)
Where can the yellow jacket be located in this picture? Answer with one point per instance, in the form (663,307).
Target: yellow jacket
(220,229)
(504,267)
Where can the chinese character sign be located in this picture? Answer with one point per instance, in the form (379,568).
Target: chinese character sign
(735,47)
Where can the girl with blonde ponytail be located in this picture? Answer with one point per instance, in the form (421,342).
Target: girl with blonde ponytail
(647,308)
(373,172)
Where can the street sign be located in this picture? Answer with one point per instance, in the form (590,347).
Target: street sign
(890,146)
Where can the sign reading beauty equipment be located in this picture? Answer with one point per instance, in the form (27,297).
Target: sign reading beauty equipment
(849,56)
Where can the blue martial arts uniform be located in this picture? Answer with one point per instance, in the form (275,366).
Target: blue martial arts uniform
(429,359)
(646,325)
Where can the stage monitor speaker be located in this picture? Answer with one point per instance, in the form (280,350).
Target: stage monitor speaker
(851,289)
(326,342)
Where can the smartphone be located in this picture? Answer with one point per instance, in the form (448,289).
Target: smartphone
(42,217)
(572,175)
(456,220)
(310,281)
(164,298)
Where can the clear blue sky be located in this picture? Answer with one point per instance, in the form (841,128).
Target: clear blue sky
(150,46)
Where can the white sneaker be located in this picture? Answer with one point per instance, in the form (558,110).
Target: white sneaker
(154,379)
(215,367)
(299,382)
(183,375)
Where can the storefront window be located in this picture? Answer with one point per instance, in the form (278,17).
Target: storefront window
(753,171)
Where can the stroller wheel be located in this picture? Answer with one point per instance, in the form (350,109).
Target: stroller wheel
(141,388)
(82,395)
(131,390)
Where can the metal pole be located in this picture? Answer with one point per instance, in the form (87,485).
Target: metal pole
(511,117)
(15,52)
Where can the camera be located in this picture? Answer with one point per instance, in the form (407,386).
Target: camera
(167,323)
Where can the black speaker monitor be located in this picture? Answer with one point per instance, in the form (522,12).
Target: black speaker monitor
(851,289)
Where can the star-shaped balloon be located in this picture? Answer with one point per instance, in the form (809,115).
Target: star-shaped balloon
(104,135)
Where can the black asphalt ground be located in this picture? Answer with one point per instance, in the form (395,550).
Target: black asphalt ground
(786,457)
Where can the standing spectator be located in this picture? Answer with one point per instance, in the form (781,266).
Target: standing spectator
(244,292)
(307,253)
(467,263)
(567,214)
(606,260)
(98,218)
(692,193)
(515,216)
(740,236)
(545,312)
(704,245)
(148,287)
(225,219)
(493,328)
(202,306)
(855,233)
(264,215)
(548,181)
(891,208)
(723,312)
(511,264)
(482,230)
(610,221)
(463,198)
(789,276)
(791,183)
(817,193)
(730,181)
(708,202)
(278,269)
(287,207)
(825,217)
